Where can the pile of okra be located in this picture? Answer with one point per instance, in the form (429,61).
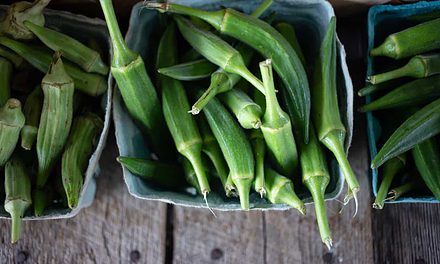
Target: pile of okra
(50,119)
(407,102)
(231,101)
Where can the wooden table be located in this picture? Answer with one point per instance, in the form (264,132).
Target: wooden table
(118,228)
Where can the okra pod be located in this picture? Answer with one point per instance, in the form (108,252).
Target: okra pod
(55,120)
(419,127)
(411,41)
(276,127)
(136,88)
(412,93)
(280,191)
(247,112)
(390,170)
(398,191)
(419,66)
(270,43)
(373,88)
(18,194)
(19,12)
(175,106)
(88,59)
(235,148)
(76,155)
(42,198)
(89,83)
(189,71)
(190,175)
(426,156)
(259,148)
(11,122)
(288,32)
(5,80)
(13,57)
(32,111)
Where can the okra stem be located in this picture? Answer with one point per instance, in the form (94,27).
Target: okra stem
(321,216)
(391,168)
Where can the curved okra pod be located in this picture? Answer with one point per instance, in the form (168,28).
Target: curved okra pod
(390,170)
(11,122)
(55,120)
(137,90)
(247,112)
(259,149)
(5,80)
(419,66)
(426,156)
(18,194)
(175,106)
(276,127)
(89,83)
(325,110)
(88,59)
(422,125)
(14,58)
(288,32)
(189,71)
(76,155)
(412,93)
(18,13)
(401,44)
(270,43)
(32,111)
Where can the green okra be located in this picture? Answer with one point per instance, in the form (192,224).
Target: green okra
(11,122)
(411,41)
(390,170)
(419,127)
(189,71)
(259,148)
(288,32)
(419,66)
(191,55)
(247,112)
(42,198)
(88,59)
(175,106)
(235,148)
(270,43)
(276,127)
(280,191)
(19,12)
(55,120)
(18,194)
(398,191)
(13,57)
(137,90)
(32,111)
(216,50)
(426,157)
(325,110)
(373,88)
(164,174)
(190,175)
(89,83)
(77,152)
(5,80)
(412,93)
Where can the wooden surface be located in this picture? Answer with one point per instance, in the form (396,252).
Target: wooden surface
(117,228)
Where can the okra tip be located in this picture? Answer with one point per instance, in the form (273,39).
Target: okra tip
(329,243)
(352,193)
(194,110)
(378,205)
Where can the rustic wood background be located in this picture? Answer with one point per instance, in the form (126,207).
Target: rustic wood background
(118,228)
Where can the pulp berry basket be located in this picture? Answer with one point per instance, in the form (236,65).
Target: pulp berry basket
(310,17)
(83,29)
(382,21)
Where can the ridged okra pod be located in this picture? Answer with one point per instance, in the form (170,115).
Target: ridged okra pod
(88,59)
(259,148)
(5,80)
(175,106)
(419,66)
(11,122)
(76,155)
(390,170)
(189,71)
(373,88)
(427,159)
(88,83)
(18,194)
(32,111)
(190,175)
(14,58)
(247,112)
(55,120)
(270,43)
(325,110)
(137,90)
(411,41)
(277,128)
(288,32)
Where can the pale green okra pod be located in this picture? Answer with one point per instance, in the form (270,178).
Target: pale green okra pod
(11,122)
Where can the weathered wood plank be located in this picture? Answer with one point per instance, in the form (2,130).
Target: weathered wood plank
(116,229)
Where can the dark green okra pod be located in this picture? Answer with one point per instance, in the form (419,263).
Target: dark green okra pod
(427,159)
(18,194)
(247,112)
(5,80)
(189,71)
(11,122)
(14,58)
(259,148)
(390,170)
(32,111)
(76,155)
(398,191)
(288,32)
(88,59)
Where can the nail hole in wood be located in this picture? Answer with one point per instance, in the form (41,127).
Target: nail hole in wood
(135,256)
(22,256)
(328,257)
(216,254)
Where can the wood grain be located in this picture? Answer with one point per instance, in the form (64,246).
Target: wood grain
(117,228)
